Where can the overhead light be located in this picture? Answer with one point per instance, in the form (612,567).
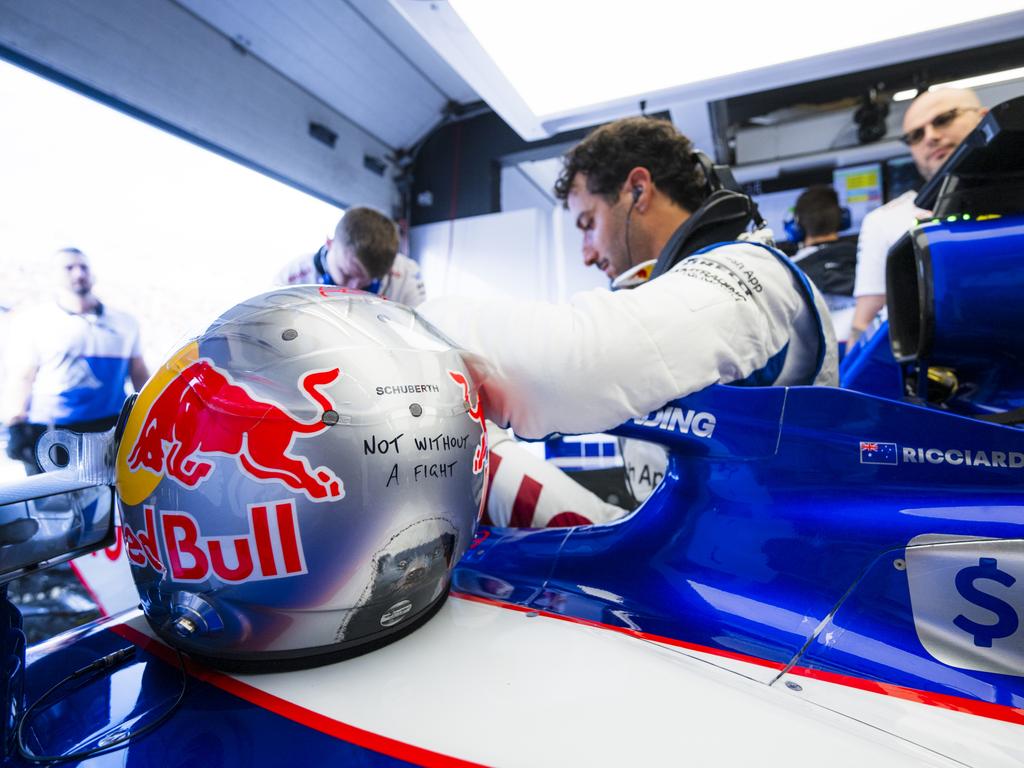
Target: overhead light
(904,95)
(989,79)
(576,53)
(547,67)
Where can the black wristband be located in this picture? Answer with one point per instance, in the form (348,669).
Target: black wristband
(21,443)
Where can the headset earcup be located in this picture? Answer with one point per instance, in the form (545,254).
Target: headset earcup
(794,232)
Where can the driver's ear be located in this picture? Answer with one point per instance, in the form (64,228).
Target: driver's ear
(639,186)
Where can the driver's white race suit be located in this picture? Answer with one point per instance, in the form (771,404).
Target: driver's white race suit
(736,312)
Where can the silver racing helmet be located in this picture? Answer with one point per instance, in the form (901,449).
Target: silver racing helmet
(297,483)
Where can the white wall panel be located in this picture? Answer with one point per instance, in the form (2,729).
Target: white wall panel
(482,256)
(531,253)
(158,58)
(519,190)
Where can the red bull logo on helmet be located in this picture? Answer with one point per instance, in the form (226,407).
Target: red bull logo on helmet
(202,412)
(172,542)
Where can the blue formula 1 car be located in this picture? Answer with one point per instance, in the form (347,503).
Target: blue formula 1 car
(826,576)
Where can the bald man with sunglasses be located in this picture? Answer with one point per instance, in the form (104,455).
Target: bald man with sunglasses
(934,125)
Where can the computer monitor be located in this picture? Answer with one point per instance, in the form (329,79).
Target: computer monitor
(859,188)
(901,177)
(776,207)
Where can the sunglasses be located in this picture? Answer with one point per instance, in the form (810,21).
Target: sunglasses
(940,121)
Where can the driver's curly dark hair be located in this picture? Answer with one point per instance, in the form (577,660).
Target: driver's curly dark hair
(608,154)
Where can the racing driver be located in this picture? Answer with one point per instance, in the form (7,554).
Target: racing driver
(721,305)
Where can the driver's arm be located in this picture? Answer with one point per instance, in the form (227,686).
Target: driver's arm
(589,365)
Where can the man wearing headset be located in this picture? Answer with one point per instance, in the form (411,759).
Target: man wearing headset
(934,125)
(830,262)
(363,254)
(720,305)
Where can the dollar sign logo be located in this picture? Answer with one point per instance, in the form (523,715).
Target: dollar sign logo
(1006,617)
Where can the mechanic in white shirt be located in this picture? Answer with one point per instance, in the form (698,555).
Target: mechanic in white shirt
(717,308)
(363,254)
(68,361)
(934,125)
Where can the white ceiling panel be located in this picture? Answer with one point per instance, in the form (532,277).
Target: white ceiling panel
(359,58)
(398,31)
(547,67)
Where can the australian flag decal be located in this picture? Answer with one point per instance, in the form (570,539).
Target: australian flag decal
(878,453)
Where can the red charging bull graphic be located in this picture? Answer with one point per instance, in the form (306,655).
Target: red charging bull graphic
(202,411)
(476,413)
(271,549)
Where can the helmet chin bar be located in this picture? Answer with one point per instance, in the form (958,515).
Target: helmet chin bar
(180,634)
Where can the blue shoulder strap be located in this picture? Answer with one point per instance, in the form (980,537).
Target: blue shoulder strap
(766,375)
(323,277)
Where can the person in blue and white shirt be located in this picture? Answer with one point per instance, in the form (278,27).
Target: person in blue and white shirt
(67,361)
(363,255)
(719,306)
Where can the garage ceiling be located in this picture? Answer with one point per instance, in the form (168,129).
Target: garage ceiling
(358,56)
(252,79)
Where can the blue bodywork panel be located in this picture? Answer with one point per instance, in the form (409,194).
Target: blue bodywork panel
(211,728)
(965,277)
(779,528)
(869,366)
